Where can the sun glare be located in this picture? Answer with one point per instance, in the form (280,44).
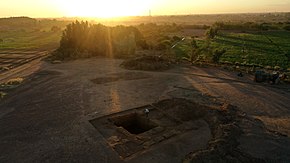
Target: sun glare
(105,8)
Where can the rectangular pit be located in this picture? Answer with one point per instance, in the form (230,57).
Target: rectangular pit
(134,123)
(130,133)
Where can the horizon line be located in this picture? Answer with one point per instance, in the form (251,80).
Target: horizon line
(116,17)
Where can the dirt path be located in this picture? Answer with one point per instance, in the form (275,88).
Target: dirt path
(46,119)
(20,63)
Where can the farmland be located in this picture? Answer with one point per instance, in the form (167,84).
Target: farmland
(255,48)
(252,48)
(10,59)
(27,33)
(22,39)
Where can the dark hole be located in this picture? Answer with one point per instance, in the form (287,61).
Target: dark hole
(134,123)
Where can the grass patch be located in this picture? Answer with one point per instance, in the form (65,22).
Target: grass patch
(29,39)
(2,95)
(15,81)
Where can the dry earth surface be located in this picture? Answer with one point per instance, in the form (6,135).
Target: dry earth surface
(47,118)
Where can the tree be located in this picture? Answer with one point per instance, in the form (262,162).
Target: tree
(55,29)
(195,50)
(211,32)
(81,39)
(217,55)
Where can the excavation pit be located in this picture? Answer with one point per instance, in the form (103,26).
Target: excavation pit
(134,123)
(170,122)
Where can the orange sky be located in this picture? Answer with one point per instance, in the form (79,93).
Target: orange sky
(113,8)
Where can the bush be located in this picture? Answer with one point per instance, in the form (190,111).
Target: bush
(163,45)
(2,94)
(55,29)
(143,44)
(287,27)
(81,39)
(176,38)
(211,32)
(217,55)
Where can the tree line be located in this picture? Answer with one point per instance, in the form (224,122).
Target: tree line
(81,39)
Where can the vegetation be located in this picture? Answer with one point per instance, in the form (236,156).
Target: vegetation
(270,48)
(211,32)
(2,95)
(28,33)
(28,39)
(10,84)
(217,55)
(157,36)
(251,26)
(14,81)
(243,39)
(249,45)
(81,39)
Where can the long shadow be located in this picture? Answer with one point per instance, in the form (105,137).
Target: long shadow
(197,83)
(264,93)
(211,75)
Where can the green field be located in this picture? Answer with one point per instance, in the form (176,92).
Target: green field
(259,49)
(23,39)
(28,33)
(256,48)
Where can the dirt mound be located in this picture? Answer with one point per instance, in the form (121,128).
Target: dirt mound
(148,63)
(182,109)
(224,125)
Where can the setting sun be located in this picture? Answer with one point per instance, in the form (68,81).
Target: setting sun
(105,9)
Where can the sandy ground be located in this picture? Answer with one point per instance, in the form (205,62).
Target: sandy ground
(46,118)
